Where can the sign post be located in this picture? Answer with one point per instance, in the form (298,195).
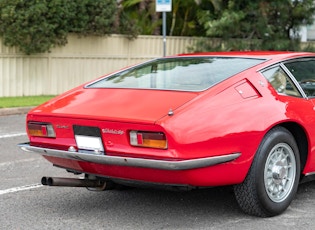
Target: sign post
(164,6)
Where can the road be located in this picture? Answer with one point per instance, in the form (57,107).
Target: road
(25,204)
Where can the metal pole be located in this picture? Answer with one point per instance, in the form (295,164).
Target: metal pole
(164,34)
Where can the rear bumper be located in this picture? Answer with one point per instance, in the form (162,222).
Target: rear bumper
(132,162)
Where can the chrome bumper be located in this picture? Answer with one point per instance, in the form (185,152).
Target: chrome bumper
(130,161)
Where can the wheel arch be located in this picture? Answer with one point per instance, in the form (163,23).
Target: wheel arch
(301,139)
(270,176)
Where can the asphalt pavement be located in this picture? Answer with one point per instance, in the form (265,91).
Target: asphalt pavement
(26,204)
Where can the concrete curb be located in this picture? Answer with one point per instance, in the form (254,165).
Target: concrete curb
(14,111)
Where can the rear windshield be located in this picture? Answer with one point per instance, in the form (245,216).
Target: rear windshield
(186,74)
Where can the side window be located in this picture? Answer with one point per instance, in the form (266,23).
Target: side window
(281,82)
(304,72)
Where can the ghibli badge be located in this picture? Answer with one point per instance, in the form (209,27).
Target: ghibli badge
(113,131)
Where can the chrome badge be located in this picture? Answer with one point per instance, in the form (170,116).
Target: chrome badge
(113,131)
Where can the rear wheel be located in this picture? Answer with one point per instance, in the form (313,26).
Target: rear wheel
(273,178)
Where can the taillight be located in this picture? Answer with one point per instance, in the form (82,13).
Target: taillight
(148,139)
(36,129)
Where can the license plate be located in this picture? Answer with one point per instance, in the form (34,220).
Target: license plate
(90,143)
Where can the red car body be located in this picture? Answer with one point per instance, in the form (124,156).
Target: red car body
(212,135)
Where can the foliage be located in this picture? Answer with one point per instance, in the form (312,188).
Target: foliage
(182,21)
(274,23)
(142,14)
(36,26)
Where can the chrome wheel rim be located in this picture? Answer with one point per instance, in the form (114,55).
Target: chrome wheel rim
(280,172)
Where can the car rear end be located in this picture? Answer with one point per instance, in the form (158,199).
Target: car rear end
(110,128)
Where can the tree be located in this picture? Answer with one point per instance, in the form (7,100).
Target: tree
(36,26)
(143,15)
(182,21)
(266,24)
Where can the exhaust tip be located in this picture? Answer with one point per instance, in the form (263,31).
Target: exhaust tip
(73,182)
(44,181)
(50,181)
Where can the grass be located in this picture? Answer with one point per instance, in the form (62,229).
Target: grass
(10,102)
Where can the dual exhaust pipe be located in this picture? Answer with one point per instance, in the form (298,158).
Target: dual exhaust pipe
(73,182)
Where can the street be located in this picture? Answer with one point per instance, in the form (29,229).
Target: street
(26,204)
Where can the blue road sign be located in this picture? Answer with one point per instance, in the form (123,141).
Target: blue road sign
(163,5)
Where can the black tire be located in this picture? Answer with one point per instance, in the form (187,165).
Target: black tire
(273,178)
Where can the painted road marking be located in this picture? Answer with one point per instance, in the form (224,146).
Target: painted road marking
(12,135)
(21,188)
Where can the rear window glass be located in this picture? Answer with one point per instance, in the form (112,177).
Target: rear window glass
(186,74)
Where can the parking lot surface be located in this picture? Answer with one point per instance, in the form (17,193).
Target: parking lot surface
(26,204)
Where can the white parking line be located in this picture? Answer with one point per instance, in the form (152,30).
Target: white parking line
(21,188)
(12,135)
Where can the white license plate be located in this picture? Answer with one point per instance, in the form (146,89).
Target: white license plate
(89,143)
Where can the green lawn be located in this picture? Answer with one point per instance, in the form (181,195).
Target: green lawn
(9,102)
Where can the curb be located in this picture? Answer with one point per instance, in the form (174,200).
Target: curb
(14,111)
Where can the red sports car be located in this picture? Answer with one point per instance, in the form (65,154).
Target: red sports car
(189,121)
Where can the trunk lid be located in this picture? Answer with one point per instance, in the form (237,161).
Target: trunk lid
(124,105)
